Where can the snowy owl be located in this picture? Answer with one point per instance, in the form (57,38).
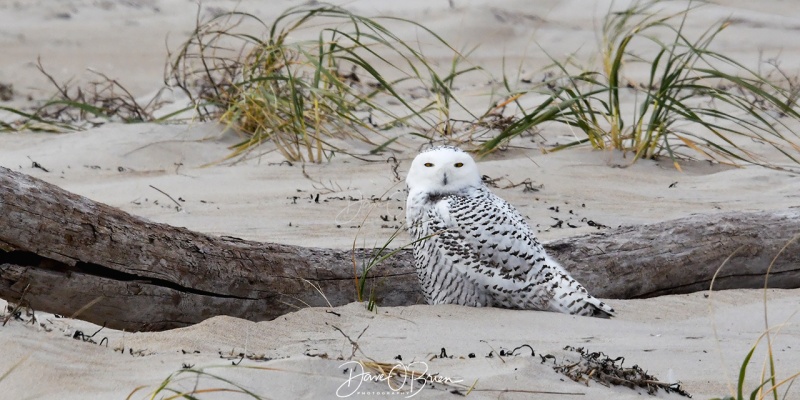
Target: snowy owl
(473,248)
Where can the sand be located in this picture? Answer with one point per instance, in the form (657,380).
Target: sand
(697,339)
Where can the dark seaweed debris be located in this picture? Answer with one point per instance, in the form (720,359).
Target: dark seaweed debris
(609,371)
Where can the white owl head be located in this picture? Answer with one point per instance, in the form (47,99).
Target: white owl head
(443,169)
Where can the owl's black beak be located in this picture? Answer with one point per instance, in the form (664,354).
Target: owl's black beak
(444,180)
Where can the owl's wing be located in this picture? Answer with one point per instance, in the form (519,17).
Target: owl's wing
(507,261)
(494,235)
(443,262)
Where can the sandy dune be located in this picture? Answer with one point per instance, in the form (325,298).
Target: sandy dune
(695,339)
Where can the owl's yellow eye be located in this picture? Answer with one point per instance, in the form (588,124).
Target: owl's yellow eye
(427,164)
(459,165)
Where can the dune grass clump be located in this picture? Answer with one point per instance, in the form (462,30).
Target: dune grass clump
(186,384)
(77,107)
(770,385)
(376,257)
(320,79)
(688,101)
(345,82)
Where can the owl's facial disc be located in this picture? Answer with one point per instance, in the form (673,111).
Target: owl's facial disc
(443,170)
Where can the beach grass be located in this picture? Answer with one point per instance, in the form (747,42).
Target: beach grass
(377,256)
(75,107)
(302,94)
(322,79)
(689,105)
(770,385)
(16,365)
(186,384)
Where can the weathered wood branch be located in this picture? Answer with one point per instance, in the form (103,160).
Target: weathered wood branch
(66,254)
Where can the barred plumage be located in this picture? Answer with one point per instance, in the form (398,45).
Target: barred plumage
(473,248)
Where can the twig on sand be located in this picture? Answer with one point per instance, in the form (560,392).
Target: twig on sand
(180,207)
(354,343)
(21,303)
(86,307)
(495,351)
(13,367)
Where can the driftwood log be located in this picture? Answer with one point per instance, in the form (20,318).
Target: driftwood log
(69,255)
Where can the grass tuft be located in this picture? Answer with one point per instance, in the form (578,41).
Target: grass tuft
(770,385)
(687,106)
(322,80)
(305,95)
(74,108)
(186,384)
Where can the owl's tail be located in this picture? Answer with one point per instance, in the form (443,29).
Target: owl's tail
(591,306)
(570,297)
(566,295)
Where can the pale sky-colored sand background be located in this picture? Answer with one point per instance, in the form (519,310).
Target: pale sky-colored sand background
(260,199)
